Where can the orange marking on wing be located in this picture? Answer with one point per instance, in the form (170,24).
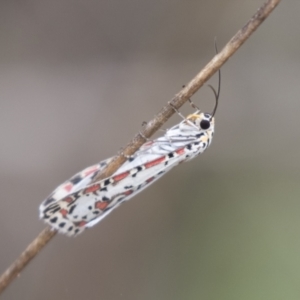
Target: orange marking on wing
(120,176)
(128,192)
(90,170)
(150,179)
(155,162)
(92,189)
(64,212)
(68,187)
(147,144)
(68,200)
(81,224)
(101,205)
(180,151)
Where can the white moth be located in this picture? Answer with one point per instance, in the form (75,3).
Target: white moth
(78,203)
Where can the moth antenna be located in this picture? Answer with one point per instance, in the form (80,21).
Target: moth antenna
(217,93)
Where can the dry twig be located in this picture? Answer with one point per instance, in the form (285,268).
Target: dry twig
(166,112)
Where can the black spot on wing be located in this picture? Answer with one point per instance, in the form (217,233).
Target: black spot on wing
(54,210)
(106,182)
(75,196)
(120,199)
(139,186)
(48,201)
(53,220)
(72,208)
(76,179)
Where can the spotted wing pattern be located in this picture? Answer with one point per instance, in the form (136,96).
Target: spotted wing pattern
(78,203)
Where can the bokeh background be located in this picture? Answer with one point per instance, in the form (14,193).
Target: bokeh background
(77,80)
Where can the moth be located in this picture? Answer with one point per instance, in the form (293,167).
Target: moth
(80,203)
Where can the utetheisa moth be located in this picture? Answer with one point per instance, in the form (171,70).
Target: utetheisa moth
(78,203)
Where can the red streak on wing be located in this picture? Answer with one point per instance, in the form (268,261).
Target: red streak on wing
(90,170)
(150,179)
(64,212)
(101,205)
(180,151)
(92,189)
(81,224)
(68,199)
(68,187)
(155,162)
(128,192)
(146,145)
(121,176)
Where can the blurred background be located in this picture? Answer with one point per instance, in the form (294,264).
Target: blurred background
(78,78)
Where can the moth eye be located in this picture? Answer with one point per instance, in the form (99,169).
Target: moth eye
(204,124)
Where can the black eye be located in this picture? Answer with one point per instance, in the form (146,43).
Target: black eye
(204,124)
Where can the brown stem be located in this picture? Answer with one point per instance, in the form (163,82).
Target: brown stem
(192,87)
(29,253)
(166,112)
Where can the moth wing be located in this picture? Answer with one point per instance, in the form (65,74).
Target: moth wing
(75,183)
(87,206)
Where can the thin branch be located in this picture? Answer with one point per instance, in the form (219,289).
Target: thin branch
(192,87)
(30,252)
(166,112)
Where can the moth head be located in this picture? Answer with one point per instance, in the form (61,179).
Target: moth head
(204,121)
(201,121)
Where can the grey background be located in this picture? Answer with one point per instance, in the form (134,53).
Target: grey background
(77,80)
